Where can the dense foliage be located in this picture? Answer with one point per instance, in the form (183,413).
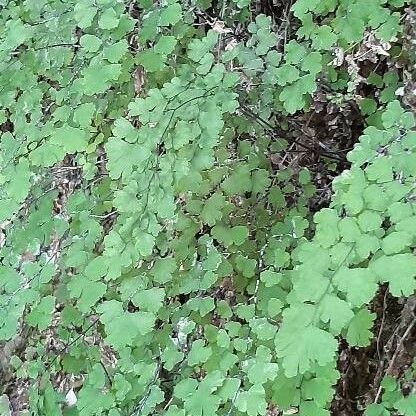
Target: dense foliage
(158,254)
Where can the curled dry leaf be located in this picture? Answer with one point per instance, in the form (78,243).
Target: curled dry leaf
(219,27)
(138,77)
(372,48)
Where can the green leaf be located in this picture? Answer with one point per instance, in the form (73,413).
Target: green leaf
(376,410)
(359,333)
(41,315)
(173,410)
(396,242)
(238,182)
(301,7)
(145,244)
(83,114)
(203,305)
(302,345)
(84,14)
(149,299)
(274,307)
(239,234)
(293,96)
(163,269)
(70,139)
(270,278)
(90,43)
(349,230)
(211,212)
(16,34)
(223,339)
(286,74)
(113,53)
(227,236)
(151,61)
(389,384)
(294,52)
(319,390)
(263,329)
(86,291)
(369,221)
(121,385)
(165,45)
(407,405)
(123,327)
(323,38)
(123,157)
(5,406)
(359,284)
(246,266)
(393,114)
(309,408)
(185,388)
(170,15)
(327,232)
(230,388)
(108,19)
(252,402)
(171,356)
(312,63)
(399,271)
(97,78)
(260,369)
(155,397)
(336,312)
(199,353)
(204,402)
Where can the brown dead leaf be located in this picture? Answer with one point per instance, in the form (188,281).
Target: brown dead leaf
(138,77)
(339,57)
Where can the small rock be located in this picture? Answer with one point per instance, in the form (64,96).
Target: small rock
(71,398)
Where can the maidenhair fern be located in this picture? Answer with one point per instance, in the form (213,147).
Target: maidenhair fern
(158,257)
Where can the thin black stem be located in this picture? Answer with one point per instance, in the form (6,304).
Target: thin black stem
(277,131)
